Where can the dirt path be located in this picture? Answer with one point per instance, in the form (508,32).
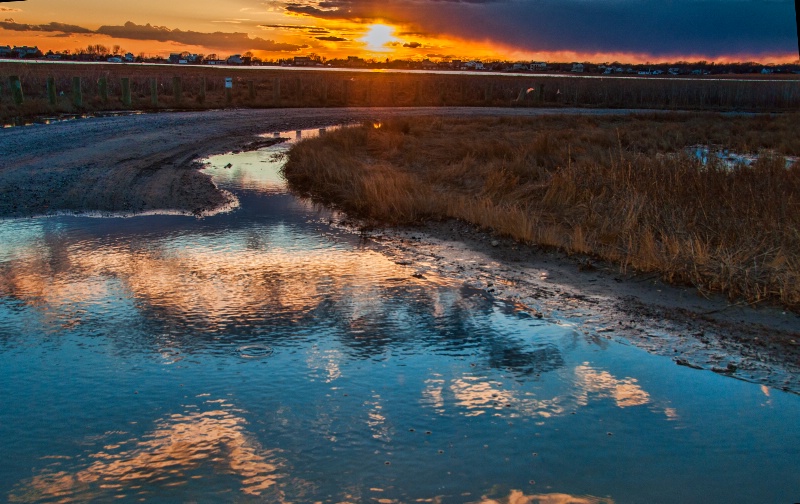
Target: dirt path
(147,163)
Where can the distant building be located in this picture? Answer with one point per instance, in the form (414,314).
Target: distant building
(538,65)
(354,61)
(5,51)
(455,64)
(236,59)
(114,59)
(25,51)
(577,67)
(129,57)
(516,67)
(302,61)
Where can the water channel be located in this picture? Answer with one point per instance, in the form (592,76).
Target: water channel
(263,355)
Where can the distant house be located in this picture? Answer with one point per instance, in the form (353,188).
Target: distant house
(236,59)
(456,64)
(538,65)
(519,66)
(674,71)
(114,59)
(128,57)
(577,67)
(474,65)
(302,61)
(766,71)
(25,51)
(5,51)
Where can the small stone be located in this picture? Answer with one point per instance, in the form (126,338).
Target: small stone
(495,243)
(610,434)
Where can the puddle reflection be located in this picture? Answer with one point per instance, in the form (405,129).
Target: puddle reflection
(180,449)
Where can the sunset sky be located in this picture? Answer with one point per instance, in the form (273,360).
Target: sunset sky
(549,30)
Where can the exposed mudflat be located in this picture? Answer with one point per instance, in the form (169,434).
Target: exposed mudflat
(148,163)
(759,344)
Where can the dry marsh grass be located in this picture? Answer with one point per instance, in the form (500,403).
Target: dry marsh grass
(620,188)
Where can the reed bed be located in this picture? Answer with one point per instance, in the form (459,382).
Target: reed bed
(623,189)
(273,87)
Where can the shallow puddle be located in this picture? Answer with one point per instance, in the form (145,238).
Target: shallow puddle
(262,355)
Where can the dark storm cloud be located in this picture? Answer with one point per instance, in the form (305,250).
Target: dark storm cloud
(657,27)
(9,24)
(412,45)
(220,40)
(331,38)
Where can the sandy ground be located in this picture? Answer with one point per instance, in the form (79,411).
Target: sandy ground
(147,163)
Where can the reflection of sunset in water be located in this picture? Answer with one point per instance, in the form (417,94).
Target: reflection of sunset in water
(215,286)
(602,384)
(477,395)
(169,456)
(518,497)
(480,396)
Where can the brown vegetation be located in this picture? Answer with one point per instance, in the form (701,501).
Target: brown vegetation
(274,87)
(621,188)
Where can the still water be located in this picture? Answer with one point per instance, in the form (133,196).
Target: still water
(264,356)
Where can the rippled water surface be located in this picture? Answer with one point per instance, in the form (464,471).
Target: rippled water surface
(261,355)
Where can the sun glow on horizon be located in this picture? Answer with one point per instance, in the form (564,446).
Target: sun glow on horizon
(378,36)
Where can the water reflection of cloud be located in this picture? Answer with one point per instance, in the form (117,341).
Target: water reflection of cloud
(202,285)
(519,497)
(602,384)
(479,396)
(476,395)
(178,450)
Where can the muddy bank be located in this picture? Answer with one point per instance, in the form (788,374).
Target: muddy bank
(759,344)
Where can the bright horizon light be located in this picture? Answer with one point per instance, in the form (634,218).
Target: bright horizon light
(378,36)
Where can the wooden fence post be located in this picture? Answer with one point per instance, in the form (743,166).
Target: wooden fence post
(16,89)
(77,94)
(177,90)
(154,92)
(51,90)
(276,90)
(126,91)
(102,88)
